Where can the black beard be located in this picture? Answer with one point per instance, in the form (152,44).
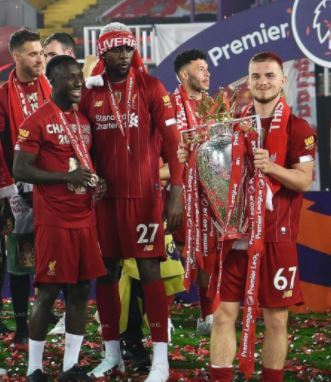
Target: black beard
(116,74)
(195,86)
(199,89)
(31,72)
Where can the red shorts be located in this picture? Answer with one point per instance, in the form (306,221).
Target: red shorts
(279,277)
(66,256)
(131,228)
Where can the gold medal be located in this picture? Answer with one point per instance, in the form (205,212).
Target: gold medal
(93,181)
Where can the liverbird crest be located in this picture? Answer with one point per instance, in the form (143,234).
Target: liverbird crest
(322,22)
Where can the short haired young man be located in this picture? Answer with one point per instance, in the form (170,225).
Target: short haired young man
(59,43)
(287,160)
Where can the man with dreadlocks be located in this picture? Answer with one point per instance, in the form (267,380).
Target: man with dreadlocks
(130,112)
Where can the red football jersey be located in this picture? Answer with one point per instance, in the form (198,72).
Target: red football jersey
(62,204)
(31,91)
(133,174)
(282,224)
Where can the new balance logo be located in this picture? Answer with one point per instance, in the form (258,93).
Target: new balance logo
(98,103)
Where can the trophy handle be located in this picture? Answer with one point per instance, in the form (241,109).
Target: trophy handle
(257,127)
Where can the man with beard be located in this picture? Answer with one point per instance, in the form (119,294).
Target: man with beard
(287,160)
(191,68)
(58,43)
(25,91)
(129,110)
(52,152)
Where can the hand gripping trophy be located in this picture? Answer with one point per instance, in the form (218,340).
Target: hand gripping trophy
(222,185)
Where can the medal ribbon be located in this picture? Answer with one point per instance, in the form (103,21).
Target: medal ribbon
(130,82)
(76,139)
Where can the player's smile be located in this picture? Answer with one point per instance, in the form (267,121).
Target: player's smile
(76,94)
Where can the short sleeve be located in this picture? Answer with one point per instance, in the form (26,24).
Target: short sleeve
(29,136)
(163,115)
(162,110)
(302,142)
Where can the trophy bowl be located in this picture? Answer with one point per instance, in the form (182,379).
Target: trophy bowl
(214,165)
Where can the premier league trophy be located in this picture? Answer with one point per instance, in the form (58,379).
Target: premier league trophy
(223,185)
(219,145)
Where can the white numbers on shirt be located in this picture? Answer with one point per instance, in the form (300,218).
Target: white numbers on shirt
(63,139)
(147,233)
(281,282)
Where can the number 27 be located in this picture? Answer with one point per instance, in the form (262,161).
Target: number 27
(143,229)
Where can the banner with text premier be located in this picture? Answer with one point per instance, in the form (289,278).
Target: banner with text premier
(230,43)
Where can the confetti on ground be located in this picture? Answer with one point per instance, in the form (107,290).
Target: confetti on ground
(309,357)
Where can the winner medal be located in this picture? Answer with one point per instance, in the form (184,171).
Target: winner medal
(93,182)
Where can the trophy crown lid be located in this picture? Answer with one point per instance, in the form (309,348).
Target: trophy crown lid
(218,108)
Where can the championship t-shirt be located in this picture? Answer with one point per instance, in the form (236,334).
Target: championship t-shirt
(133,172)
(282,224)
(60,204)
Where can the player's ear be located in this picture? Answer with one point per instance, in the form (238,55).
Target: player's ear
(15,55)
(185,74)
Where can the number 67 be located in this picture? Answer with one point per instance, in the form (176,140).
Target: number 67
(281,282)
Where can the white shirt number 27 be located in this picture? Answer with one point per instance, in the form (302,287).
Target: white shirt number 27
(147,233)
